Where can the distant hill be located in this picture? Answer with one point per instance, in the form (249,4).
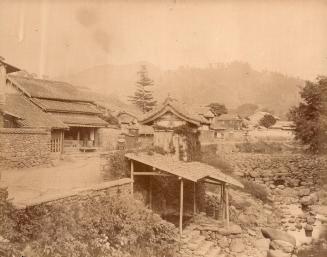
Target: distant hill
(233,84)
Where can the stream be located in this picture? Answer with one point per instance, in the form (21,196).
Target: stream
(319,232)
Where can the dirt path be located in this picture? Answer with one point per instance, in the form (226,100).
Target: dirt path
(25,185)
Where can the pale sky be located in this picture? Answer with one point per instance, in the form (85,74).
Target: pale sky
(57,38)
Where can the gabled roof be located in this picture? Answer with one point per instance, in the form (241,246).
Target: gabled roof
(180,110)
(63,106)
(193,171)
(48,89)
(30,115)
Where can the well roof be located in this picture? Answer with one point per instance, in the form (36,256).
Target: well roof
(193,171)
(30,115)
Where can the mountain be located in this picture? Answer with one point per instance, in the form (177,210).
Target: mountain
(232,84)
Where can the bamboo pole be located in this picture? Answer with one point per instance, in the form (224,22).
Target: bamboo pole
(181,202)
(132,177)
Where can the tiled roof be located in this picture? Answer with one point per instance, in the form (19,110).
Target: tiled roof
(30,115)
(64,106)
(80,120)
(180,110)
(193,171)
(40,88)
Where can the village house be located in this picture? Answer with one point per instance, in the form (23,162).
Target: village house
(227,122)
(62,102)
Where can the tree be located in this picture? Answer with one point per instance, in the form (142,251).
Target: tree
(217,108)
(267,120)
(310,116)
(143,96)
(245,110)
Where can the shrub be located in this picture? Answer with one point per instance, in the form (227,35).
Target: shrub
(257,190)
(259,147)
(96,228)
(217,162)
(118,166)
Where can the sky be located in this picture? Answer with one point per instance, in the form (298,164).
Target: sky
(57,38)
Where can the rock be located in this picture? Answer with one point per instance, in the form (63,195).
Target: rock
(223,242)
(306,201)
(304,192)
(235,229)
(275,234)
(237,245)
(262,244)
(311,220)
(282,245)
(298,226)
(277,253)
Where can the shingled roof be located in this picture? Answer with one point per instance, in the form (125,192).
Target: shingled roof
(178,109)
(193,171)
(30,115)
(48,89)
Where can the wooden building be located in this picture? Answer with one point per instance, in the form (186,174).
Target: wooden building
(66,104)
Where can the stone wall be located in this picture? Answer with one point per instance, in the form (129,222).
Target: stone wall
(108,138)
(21,148)
(105,189)
(300,172)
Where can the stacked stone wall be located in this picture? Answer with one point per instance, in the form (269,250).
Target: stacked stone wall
(303,173)
(21,148)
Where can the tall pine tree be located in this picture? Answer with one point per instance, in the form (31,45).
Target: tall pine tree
(143,96)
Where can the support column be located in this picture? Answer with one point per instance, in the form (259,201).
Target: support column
(194,198)
(132,177)
(227,206)
(150,192)
(222,197)
(181,203)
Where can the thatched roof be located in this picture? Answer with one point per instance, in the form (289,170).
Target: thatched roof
(48,89)
(30,116)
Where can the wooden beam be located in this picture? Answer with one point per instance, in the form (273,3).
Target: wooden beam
(132,177)
(209,181)
(150,173)
(227,206)
(181,203)
(222,205)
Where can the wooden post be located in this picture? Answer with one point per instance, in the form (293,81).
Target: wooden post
(227,206)
(194,198)
(222,205)
(150,192)
(181,202)
(132,177)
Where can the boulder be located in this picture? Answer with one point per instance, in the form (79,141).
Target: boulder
(237,245)
(274,234)
(223,242)
(306,201)
(282,245)
(304,192)
(262,244)
(277,253)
